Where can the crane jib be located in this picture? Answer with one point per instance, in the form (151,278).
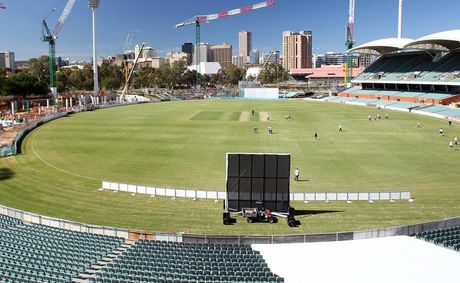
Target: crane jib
(233,12)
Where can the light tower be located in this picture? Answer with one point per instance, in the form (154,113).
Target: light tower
(400,18)
(94,4)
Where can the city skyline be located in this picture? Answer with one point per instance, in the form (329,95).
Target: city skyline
(153,21)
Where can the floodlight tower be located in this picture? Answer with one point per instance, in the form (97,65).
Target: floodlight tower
(400,18)
(350,42)
(94,4)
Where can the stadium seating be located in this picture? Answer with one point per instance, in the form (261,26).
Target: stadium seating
(449,237)
(422,66)
(38,253)
(406,105)
(442,110)
(156,261)
(6,222)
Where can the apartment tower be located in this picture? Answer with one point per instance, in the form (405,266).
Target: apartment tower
(297,50)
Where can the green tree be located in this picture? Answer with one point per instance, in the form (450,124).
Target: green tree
(39,67)
(76,80)
(163,78)
(230,75)
(88,77)
(144,77)
(24,84)
(273,73)
(63,80)
(111,76)
(178,69)
(2,79)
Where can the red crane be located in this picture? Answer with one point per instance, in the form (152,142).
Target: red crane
(197,20)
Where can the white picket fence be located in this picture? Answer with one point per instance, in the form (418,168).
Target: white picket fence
(215,195)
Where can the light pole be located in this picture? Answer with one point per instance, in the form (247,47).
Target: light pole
(94,4)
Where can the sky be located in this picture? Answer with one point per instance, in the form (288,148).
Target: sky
(152,22)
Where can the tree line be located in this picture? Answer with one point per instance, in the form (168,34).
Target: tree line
(35,79)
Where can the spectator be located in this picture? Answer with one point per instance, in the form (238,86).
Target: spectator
(296,174)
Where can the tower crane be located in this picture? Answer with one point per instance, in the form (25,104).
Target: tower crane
(51,37)
(348,72)
(197,20)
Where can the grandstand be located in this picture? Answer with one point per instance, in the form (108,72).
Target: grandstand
(157,261)
(449,237)
(39,253)
(425,71)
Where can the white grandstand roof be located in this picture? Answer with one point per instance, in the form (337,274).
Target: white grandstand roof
(382,46)
(445,40)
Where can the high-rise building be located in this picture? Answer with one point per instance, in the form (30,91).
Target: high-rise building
(188,48)
(221,53)
(238,61)
(319,60)
(335,58)
(204,52)
(254,56)
(7,60)
(297,50)
(245,44)
(274,58)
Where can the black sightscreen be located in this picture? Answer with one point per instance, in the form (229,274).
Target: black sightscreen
(258,180)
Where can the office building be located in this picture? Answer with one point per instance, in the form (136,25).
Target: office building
(254,56)
(297,50)
(274,58)
(245,44)
(188,48)
(335,58)
(238,61)
(319,60)
(204,49)
(221,53)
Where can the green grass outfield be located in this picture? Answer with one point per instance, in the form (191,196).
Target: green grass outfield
(183,144)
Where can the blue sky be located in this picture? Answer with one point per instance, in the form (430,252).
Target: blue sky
(152,21)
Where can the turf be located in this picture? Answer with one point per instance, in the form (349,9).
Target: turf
(183,144)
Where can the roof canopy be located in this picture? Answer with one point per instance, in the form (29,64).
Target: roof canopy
(445,41)
(381,46)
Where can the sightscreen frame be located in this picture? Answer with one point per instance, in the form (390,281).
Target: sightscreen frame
(257,180)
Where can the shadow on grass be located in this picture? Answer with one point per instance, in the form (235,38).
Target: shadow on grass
(6,173)
(303,212)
